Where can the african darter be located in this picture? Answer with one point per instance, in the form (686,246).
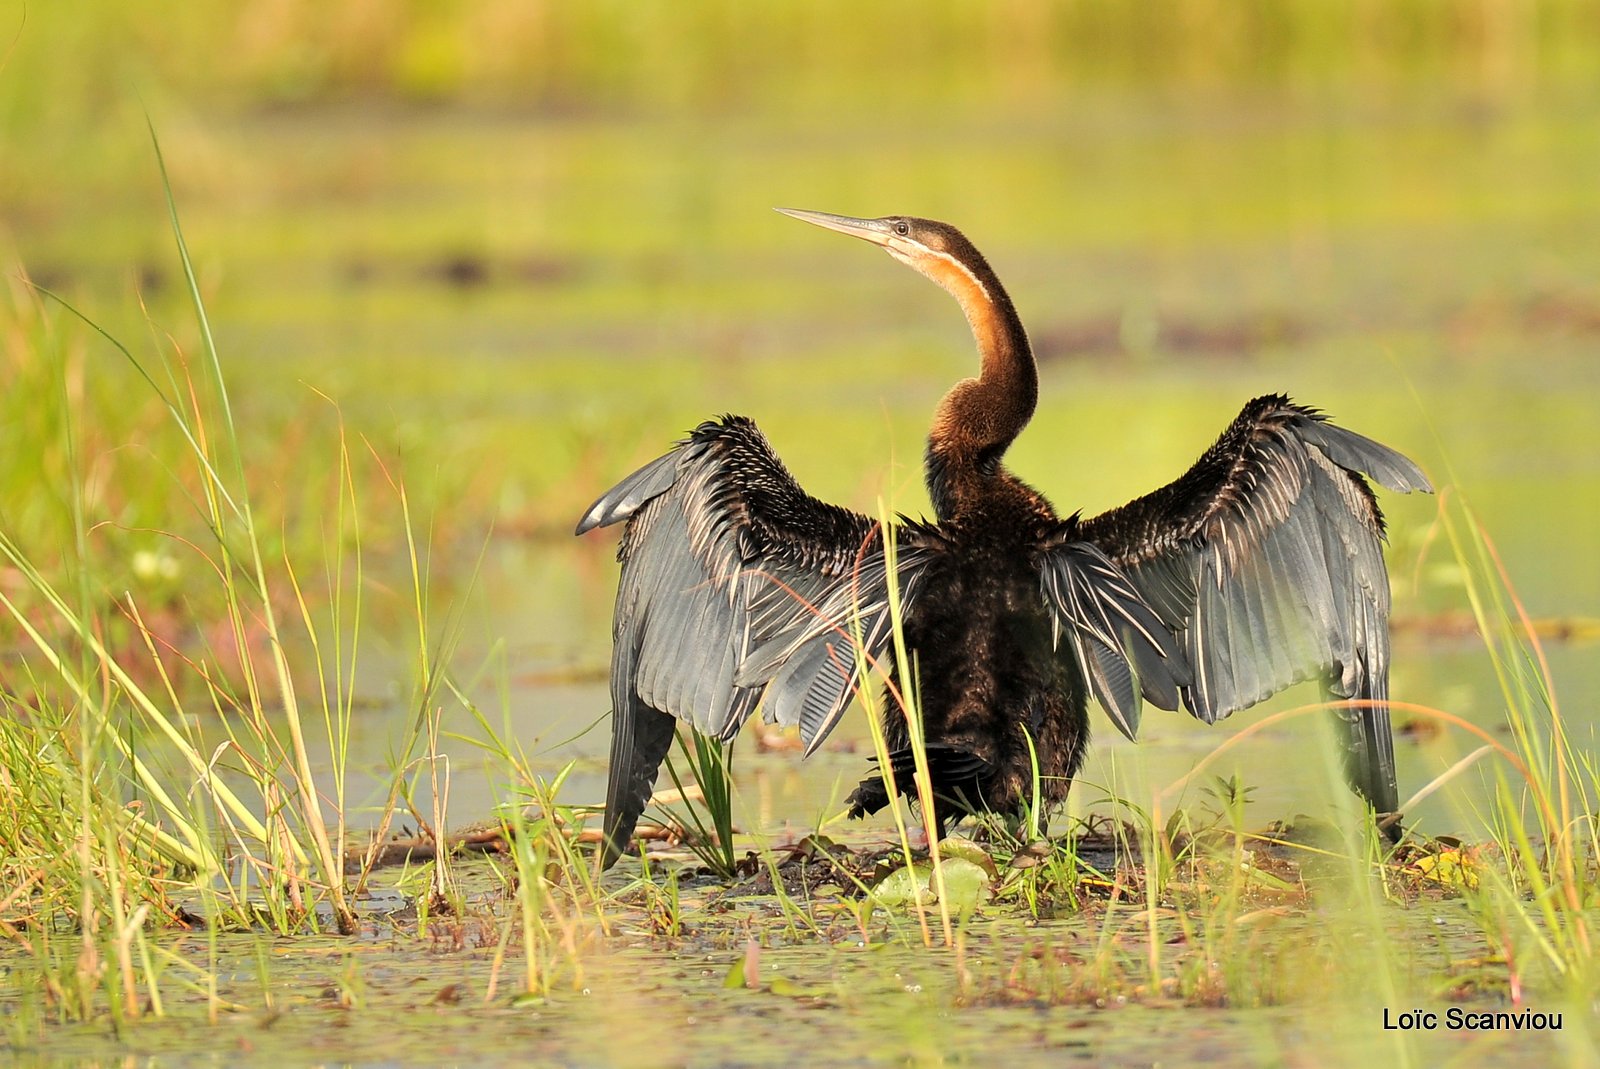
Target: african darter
(1259,568)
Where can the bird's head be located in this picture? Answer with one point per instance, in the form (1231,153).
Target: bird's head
(937,250)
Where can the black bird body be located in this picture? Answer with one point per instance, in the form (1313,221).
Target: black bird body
(989,674)
(1258,568)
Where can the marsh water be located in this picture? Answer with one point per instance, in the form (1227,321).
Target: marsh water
(334,1002)
(521,306)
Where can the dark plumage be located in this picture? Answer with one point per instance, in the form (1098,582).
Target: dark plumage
(1258,568)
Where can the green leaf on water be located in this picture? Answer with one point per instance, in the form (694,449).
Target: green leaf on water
(735,977)
(965,884)
(967,850)
(790,989)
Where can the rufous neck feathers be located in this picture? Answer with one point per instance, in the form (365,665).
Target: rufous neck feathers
(981,416)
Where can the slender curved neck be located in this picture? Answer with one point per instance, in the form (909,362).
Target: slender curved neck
(1007,372)
(980,417)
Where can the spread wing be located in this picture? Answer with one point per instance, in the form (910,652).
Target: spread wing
(1265,560)
(1117,640)
(735,583)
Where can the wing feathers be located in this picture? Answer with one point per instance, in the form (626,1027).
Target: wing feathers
(1113,634)
(1355,452)
(1265,559)
(626,498)
(734,582)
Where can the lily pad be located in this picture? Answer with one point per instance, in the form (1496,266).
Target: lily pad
(965,884)
(967,850)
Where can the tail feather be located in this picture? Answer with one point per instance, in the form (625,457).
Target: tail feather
(957,775)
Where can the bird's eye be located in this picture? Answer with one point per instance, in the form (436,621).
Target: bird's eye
(902,228)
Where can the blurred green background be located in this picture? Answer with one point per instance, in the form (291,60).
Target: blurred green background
(523,246)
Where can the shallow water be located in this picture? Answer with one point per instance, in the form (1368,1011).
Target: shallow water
(644,999)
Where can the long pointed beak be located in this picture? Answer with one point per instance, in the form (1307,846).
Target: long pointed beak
(874,230)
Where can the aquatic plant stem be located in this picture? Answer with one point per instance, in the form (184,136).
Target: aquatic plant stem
(868,697)
(305,781)
(912,705)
